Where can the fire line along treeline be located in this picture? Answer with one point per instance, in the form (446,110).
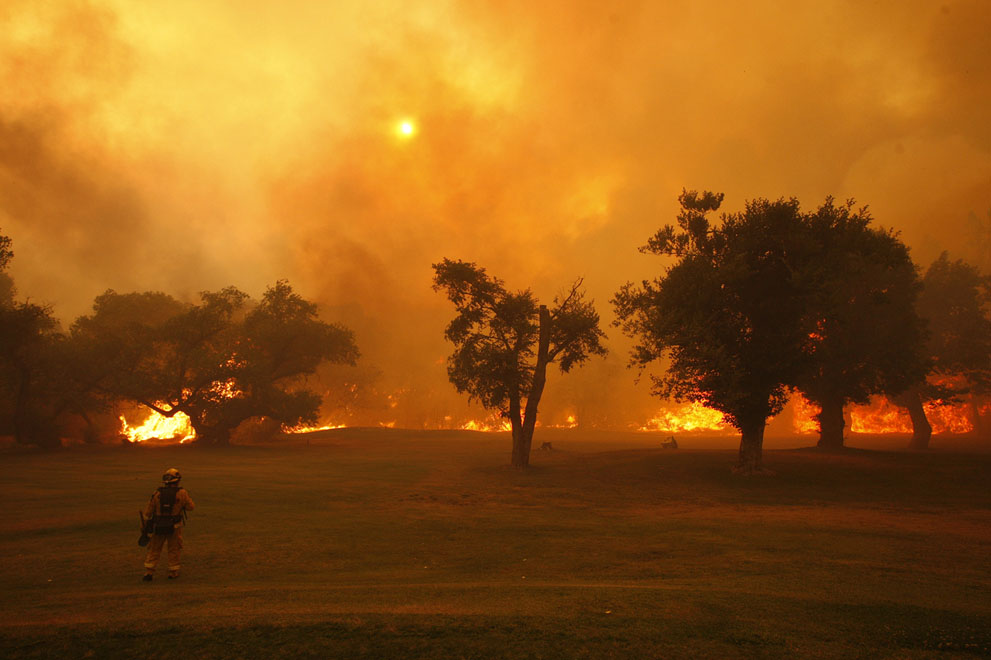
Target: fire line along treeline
(774,300)
(766,302)
(222,361)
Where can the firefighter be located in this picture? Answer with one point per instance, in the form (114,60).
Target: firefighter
(166,511)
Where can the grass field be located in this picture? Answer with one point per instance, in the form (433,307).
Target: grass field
(376,544)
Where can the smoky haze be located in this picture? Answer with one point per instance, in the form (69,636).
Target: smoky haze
(187,146)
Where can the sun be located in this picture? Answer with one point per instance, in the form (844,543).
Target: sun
(405,129)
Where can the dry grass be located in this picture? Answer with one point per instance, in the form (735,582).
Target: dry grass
(416,545)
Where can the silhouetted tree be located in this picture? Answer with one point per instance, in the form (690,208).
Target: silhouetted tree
(978,241)
(504,341)
(30,396)
(729,314)
(864,336)
(281,342)
(954,302)
(7,290)
(218,362)
(28,364)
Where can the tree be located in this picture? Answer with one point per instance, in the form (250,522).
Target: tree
(7,290)
(954,303)
(29,340)
(282,342)
(218,362)
(153,350)
(504,341)
(728,315)
(30,389)
(864,336)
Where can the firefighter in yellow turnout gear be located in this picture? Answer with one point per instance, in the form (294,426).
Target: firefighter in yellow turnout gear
(165,511)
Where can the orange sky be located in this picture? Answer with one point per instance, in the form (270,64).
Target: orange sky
(191,145)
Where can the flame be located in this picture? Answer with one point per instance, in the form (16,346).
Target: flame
(570,423)
(804,420)
(490,425)
(159,427)
(227,389)
(949,419)
(689,417)
(311,429)
(882,416)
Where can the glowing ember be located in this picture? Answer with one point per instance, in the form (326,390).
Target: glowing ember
(226,389)
(690,417)
(159,427)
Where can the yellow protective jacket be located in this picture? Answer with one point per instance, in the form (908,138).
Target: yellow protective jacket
(183,503)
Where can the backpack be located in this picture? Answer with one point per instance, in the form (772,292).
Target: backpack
(166,517)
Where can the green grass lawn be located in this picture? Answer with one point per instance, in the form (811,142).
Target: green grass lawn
(376,544)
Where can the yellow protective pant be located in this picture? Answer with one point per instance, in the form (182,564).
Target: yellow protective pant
(155,550)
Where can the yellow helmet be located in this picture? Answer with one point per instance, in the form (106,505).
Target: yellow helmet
(171,476)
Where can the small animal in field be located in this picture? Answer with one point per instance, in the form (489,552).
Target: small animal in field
(546,447)
(670,443)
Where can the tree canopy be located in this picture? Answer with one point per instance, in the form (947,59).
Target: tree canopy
(220,362)
(864,335)
(728,315)
(504,340)
(33,389)
(954,303)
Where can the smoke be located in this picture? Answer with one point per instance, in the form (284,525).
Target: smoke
(193,145)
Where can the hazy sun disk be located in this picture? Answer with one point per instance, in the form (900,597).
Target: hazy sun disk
(406,129)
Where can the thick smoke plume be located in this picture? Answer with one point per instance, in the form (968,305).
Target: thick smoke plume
(187,146)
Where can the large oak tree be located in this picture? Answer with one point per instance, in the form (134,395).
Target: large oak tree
(32,388)
(954,302)
(220,362)
(864,335)
(729,315)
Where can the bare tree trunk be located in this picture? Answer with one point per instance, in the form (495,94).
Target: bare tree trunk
(31,425)
(982,429)
(831,423)
(21,416)
(922,430)
(90,435)
(751,448)
(521,454)
(216,436)
(518,459)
